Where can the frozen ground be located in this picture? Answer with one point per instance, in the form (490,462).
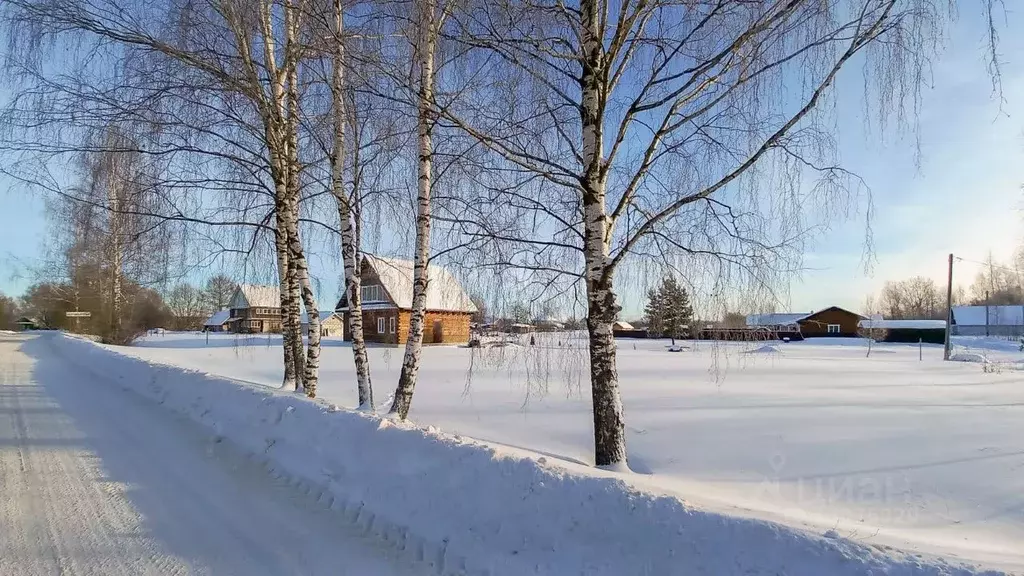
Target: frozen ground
(98,481)
(888,450)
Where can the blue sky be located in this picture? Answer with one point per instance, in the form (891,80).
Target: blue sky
(965,198)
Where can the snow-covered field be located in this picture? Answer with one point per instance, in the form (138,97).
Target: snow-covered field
(888,450)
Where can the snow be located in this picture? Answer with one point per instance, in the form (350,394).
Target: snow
(100,480)
(766,349)
(887,451)
(968,357)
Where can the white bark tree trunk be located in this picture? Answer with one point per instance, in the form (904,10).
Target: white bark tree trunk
(290,381)
(427,42)
(349,250)
(301,287)
(609,427)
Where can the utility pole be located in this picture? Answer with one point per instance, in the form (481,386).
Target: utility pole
(949,308)
(988,303)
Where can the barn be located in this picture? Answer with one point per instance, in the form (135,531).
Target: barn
(387,303)
(913,331)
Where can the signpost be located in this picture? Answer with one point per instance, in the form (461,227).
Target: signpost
(76,315)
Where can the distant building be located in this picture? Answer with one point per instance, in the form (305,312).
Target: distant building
(255,309)
(520,328)
(622,329)
(26,323)
(549,325)
(931,331)
(218,322)
(332,325)
(830,322)
(988,321)
(387,303)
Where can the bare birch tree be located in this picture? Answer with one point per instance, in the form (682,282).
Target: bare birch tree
(429,19)
(346,216)
(249,62)
(668,129)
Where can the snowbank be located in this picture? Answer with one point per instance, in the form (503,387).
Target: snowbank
(766,349)
(468,508)
(969,357)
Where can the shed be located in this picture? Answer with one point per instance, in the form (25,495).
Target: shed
(218,322)
(931,331)
(332,325)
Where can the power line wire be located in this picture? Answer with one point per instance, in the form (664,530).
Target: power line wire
(987,264)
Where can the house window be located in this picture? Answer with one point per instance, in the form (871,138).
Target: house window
(834,328)
(392,325)
(380,325)
(372,293)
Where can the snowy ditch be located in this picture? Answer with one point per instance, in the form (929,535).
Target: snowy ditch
(464,507)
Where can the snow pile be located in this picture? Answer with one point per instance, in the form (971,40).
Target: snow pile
(468,508)
(969,357)
(766,349)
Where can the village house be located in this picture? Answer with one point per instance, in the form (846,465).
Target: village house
(387,303)
(829,322)
(255,309)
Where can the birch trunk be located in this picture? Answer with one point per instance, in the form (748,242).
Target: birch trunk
(349,250)
(301,288)
(287,332)
(425,124)
(609,427)
(309,360)
(295,317)
(116,263)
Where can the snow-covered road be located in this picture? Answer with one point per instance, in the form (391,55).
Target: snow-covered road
(98,480)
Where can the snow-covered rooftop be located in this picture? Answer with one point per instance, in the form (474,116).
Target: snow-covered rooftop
(622,325)
(253,295)
(775,319)
(896,324)
(997,315)
(218,318)
(444,291)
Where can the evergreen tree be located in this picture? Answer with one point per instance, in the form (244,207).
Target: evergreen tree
(676,309)
(668,310)
(653,312)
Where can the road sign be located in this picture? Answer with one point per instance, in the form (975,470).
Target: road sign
(78,314)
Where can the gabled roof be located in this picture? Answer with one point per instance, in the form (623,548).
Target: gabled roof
(813,314)
(997,315)
(622,325)
(251,296)
(780,319)
(218,318)
(444,291)
(323,315)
